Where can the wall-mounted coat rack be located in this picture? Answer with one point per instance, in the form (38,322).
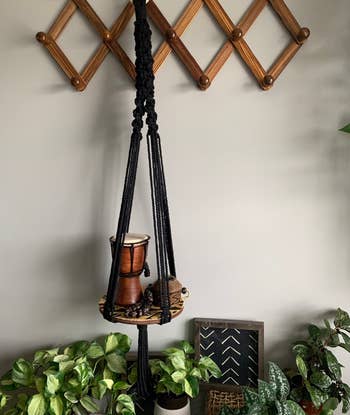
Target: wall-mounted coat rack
(235,40)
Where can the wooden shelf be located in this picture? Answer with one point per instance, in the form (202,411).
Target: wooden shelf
(152,318)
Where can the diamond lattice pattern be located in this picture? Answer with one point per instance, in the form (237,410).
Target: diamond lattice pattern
(235,34)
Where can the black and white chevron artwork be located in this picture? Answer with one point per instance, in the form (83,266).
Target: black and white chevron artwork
(234,350)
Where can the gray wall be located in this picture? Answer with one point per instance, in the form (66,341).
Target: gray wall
(258,181)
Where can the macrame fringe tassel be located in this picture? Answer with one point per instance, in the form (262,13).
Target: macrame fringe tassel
(144,381)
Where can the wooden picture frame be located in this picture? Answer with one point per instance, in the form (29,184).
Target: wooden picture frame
(236,346)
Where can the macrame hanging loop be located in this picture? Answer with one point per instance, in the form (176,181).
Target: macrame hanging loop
(145,108)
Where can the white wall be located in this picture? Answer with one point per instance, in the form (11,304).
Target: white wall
(258,181)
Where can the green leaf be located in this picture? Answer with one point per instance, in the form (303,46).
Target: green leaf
(342,319)
(267,394)
(209,364)
(56,405)
(87,403)
(178,376)
(345,129)
(37,405)
(316,395)
(116,363)
(302,350)
(346,338)
(121,386)
(124,342)
(194,383)
(330,405)
(84,373)
(345,346)
(22,372)
(95,351)
(196,373)
(67,366)
(333,364)
(187,347)
(60,358)
(78,410)
(77,349)
(173,351)
(278,381)
(283,408)
(52,384)
(295,409)
(71,397)
(3,400)
(301,366)
(125,402)
(314,332)
(188,388)
(250,396)
(255,409)
(346,405)
(111,343)
(40,384)
(178,362)
(321,380)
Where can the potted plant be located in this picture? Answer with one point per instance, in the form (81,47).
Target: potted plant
(74,380)
(177,377)
(317,382)
(271,398)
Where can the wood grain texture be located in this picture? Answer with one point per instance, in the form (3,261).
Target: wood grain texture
(184,21)
(153,318)
(286,16)
(92,16)
(221,16)
(220,59)
(62,19)
(284,59)
(173,42)
(251,14)
(250,60)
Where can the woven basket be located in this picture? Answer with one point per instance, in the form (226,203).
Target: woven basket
(216,400)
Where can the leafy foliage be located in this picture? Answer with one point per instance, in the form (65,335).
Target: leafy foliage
(271,398)
(180,373)
(319,374)
(70,381)
(346,129)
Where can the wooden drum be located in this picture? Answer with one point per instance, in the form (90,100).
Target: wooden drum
(132,263)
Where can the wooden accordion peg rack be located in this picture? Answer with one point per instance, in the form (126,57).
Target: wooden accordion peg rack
(173,43)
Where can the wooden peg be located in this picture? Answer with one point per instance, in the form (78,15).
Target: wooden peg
(268,81)
(43,38)
(78,83)
(203,82)
(171,35)
(303,35)
(237,34)
(107,37)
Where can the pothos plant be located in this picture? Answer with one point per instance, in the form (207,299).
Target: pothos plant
(318,377)
(68,381)
(180,373)
(271,398)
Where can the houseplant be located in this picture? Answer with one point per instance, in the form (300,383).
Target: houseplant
(73,380)
(318,377)
(177,377)
(271,398)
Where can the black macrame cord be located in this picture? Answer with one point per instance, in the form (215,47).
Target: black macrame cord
(145,105)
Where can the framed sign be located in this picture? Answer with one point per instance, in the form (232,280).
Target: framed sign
(237,347)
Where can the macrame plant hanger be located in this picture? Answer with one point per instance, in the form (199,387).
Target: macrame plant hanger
(144,106)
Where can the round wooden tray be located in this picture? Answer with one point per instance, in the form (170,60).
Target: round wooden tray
(152,318)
